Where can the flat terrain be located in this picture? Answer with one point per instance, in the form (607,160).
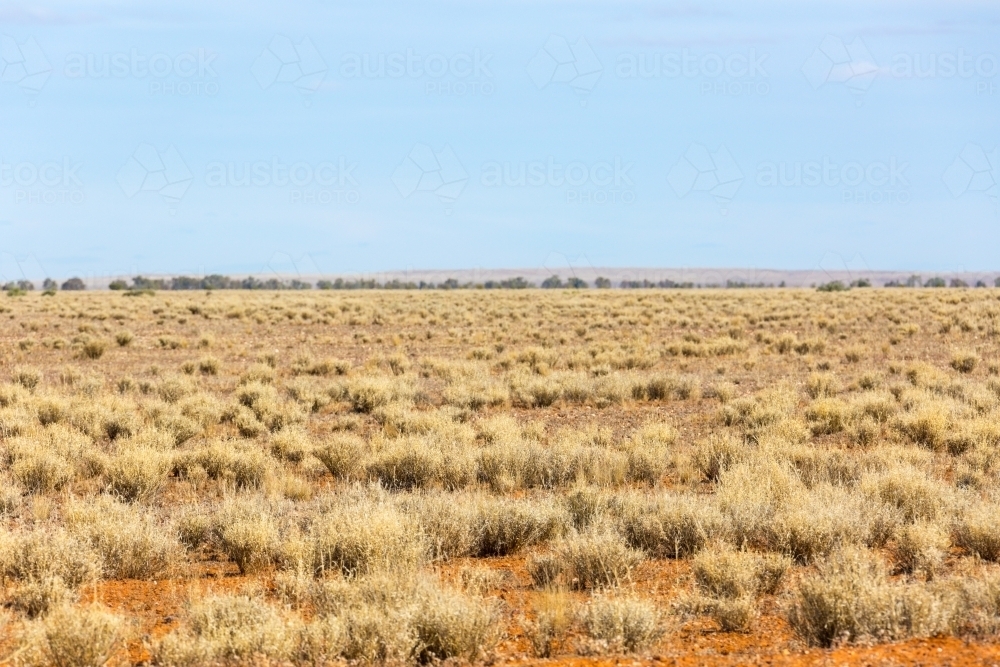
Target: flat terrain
(578,477)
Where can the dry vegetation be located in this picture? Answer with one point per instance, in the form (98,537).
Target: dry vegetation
(223,478)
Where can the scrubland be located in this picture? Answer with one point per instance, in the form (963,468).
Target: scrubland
(412,477)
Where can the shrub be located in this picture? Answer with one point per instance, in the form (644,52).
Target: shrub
(587,561)
(209,365)
(194,528)
(449,625)
(620,625)
(964,362)
(716,454)
(343,454)
(927,426)
(124,338)
(36,598)
(46,567)
(259,373)
(94,349)
(131,544)
(80,637)
(667,525)
(921,548)
(376,613)
(977,531)
(249,541)
(29,378)
(407,464)
(546,571)
(910,490)
(552,622)
(819,385)
(291,445)
(234,629)
(41,471)
(446,522)
(725,573)
(41,555)
(733,614)
(238,462)
(364,539)
(367,393)
(750,494)
(854,354)
(753,415)
(502,526)
(247,468)
(827,416)
(136,474)
(850,599)
(813,524)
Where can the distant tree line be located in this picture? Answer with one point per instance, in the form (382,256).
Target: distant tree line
(48,285)
(141,284)
(937,281)
(212,282)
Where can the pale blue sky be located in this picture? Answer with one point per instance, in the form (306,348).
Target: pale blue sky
(198,137)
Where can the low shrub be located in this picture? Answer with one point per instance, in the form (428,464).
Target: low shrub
(598,560)
(364,539)
(136,474)
(618,624)
(850,599)
(921,548)
(80,637)
(344,455)
(666,525)
(725,573)
(131,544)
(976,530)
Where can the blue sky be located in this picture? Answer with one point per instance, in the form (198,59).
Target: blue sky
(313,137)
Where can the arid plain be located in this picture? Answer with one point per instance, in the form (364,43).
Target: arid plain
(699,476)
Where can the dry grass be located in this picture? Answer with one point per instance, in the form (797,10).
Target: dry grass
(372,464)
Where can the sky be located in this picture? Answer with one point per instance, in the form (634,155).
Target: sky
(332,137)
